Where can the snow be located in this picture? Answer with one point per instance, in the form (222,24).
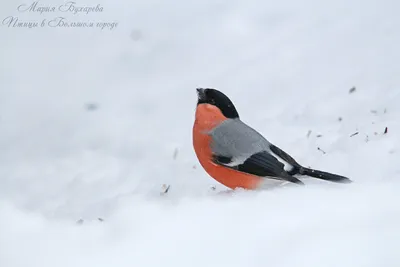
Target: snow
(288,67)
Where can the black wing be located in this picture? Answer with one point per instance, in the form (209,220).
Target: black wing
(261,164)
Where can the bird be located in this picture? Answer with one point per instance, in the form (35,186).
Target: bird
(238,156)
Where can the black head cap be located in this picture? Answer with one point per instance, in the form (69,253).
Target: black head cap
(218,99)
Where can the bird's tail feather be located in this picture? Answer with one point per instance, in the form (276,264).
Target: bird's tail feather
(324,175)
(298,169)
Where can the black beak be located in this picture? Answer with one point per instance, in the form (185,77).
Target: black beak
(201,94)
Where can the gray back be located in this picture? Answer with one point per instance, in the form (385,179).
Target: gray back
(233,138)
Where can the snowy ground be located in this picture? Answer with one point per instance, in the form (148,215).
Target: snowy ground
(287,65)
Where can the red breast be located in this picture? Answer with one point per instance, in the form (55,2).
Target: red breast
(208,117)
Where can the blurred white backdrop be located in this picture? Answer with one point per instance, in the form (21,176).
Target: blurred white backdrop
(288,66)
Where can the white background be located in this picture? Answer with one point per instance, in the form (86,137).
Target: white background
(287,65)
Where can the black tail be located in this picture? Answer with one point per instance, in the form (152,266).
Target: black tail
(324,175)
(298,169)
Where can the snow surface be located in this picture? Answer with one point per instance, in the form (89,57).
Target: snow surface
(287,65)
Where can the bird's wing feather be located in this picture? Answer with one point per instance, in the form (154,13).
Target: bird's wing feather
(262,164)
(238,146)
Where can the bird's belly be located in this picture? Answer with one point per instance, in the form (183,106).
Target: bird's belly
(226,176)
(232,178)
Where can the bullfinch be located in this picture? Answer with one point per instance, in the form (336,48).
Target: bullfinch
(235,154)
